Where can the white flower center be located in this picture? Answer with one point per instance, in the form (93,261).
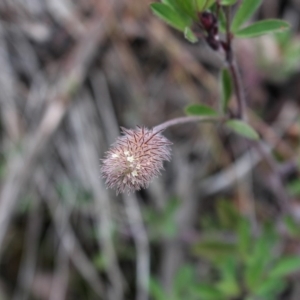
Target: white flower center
(130,158)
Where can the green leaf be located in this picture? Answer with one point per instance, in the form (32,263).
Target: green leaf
(186,6)
(262,27)
(207,292)
(263,246)
(168,2)
(244,13)
(226,88)
(189,35)
(228,269)
(244,237)
(254,274)
(203,4)
(229,287)
(200,110)
(285,266)
(270,287)
(214,250)
(156,290)
(228,2)
(170,16)
(260,257)
(222,21)
(243,129)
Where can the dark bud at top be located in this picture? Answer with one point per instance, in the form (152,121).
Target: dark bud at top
(209,22)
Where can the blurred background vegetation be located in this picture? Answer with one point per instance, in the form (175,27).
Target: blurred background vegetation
(222,222)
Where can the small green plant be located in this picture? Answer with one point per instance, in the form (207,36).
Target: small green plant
(186,286)
(242,264)
(249,265)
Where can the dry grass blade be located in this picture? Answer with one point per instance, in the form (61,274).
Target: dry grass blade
(71,79)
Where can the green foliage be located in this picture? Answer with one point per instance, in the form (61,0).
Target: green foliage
(248,263)
(171,16)
(262,27)
(214,250)
(244,13)
(189,35)
(201,5)
(200,110)
(241,264)
(285,266)
(228,2)
(180,13)
(242,129)
(186,286)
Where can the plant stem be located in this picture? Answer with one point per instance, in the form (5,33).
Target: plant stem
(238,87)
(233,69)
(189,119)
(242,107)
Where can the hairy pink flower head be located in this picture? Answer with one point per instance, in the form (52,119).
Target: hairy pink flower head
(135,159)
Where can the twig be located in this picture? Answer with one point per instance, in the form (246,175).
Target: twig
(139,234)
(28,264)
(59,285)
(234,71)
(8,110)
(184,120)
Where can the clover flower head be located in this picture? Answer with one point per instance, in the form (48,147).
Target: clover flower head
(135,159)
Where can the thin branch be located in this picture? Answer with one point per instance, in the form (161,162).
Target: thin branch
(233,68)
(28,264)
(59,284)
(184,120)
(139,234)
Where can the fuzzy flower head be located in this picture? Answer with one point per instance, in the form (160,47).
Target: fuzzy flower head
(135,159)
